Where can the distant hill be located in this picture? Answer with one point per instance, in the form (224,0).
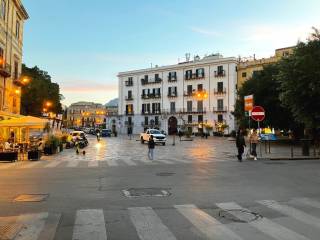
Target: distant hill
(113,103)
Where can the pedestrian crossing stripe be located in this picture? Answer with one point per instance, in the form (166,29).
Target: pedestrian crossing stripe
(91,223)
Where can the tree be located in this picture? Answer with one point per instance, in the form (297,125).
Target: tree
(299,82)
(265,88)
(38,91)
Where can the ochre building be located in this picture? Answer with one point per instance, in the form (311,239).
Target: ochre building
(12,18)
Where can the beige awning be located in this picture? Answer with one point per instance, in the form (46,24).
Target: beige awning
(25,121)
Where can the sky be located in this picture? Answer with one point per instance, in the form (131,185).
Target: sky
(84,44)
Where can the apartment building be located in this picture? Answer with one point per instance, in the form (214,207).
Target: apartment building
(12,18)
(248,67)
(191,95)
(85,114)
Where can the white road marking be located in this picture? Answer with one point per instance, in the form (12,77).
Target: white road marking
(50,228)
(89,224)
(53,163)
(164,161)
(31,164)
(148,225)
(9,165)
(147,161)
(264,225)
(73,163)
(128,161)
(307,201)
(93,163)
(112,162)
(209,226)
(292,212)
(33,223)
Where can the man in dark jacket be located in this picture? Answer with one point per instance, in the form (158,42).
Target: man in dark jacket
(151,145)
(241,144)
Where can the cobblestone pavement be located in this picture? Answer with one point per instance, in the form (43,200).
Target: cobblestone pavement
(121,151)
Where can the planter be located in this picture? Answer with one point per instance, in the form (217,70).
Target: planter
(34,155)
(49,150)
(9,156)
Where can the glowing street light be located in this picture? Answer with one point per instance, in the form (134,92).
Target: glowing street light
(17,91)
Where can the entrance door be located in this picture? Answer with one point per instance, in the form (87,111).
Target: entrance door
(172,125)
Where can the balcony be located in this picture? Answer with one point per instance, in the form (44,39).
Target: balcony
(129,83)
(220,109)
(194,111)
(5,70)
(219,73)
(172,79)
(172,95)
(150,96)
(150,112)
(130,98)
(194,76)
(189,94)
(128,113)
(220,91)
(150,81)
(198,94)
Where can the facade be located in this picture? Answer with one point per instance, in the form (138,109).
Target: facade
(247,68)
(187,96)
(12,17)
(85,114)
(112,118)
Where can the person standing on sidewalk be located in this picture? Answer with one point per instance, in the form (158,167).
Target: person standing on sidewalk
(254,138)
(151,145)
(241,144)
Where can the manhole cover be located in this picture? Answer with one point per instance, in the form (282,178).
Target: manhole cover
(9,232)
(244,216)
(31,198)
(275,163)
(165,174)
(146,192)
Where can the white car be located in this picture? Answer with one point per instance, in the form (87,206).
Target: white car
(158,137)
(77,135)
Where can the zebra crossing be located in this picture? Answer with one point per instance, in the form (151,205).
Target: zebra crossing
(107,162)
(147,223)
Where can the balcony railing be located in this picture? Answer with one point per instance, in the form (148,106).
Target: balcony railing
(151,125)
(172,79)
(150,81)
(220,91)
(129,83)
(194,93)
(172,94)
(220,73)
(151,112)
(129,113)
(150,96)
(194,111)
(193,76)
(220,109)
(5,70)
(130,98)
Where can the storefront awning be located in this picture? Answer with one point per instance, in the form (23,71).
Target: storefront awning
(25,121)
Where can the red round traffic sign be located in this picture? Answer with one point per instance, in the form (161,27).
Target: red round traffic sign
(258,113)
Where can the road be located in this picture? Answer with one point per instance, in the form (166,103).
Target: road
(193,190)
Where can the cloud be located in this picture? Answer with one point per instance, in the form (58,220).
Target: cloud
(206,32)
(87,87)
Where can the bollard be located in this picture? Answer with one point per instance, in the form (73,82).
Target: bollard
(291,149)
(269,147)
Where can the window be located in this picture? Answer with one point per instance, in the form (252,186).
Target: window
(255,73)
(156,120)
(200,87)
(172,76)
(18,27)
(156,76)
(189,106)
(146,120)
(189,118)
(16,69)
(244,74)
(172,91)
(220,70)
(189,89)
(129,109)
(146,108)
(200,72)
(188,74)
(220,87)
(155,107)
(200,118)
(1,56)
(146,77)
(3,10)
(200,106)
(130,94)
(220,118)
(172,107)
(220,104)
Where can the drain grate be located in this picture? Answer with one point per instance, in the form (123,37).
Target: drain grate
(246,215)
(9,232)
(31,197)
(146,192)
(165,174)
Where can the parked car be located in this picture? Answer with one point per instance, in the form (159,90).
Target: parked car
(81,137)
(158,137)
(106,133)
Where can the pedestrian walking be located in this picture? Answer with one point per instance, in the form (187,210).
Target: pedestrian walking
(241,144)
(254,138)
(151,145)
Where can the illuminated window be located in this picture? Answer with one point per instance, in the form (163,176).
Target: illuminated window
(244,74)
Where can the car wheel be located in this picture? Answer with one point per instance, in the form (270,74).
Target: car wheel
(142,141)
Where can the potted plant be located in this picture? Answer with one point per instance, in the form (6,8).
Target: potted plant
(51,145)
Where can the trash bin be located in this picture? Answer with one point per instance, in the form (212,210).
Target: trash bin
(305,143)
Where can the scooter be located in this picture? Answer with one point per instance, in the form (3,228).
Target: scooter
(98,137)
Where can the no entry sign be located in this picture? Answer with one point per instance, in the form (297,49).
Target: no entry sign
(258,113)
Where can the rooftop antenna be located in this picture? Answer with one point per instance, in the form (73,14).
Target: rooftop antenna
(151,65)
(187,57)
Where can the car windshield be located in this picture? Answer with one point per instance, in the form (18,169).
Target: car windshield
(155,132)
